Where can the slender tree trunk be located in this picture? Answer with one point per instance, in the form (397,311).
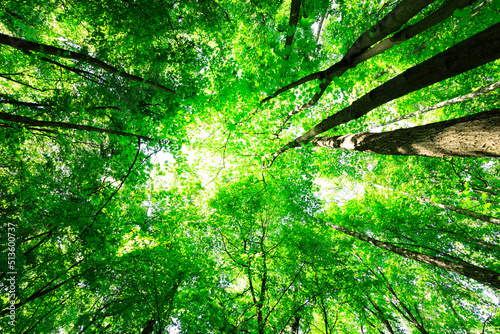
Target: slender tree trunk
(41,293)
(320,29)
(431,20)
(465,212)
(295,325)
(292,22)
(380,314)
(63,125)
(403,12)
(149,326)
(475,94)
(262,295)
(475,135)
(475,51)
(484,275)
(407,314)
(474,241)
(27,47)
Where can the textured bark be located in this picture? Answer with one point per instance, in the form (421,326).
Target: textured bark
(477,50)
(470,136)
(63,125)
(475,94)
(484,275)
(27,46)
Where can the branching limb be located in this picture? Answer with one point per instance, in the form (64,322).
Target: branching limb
(27,46)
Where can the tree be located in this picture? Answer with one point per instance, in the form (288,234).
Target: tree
(469,136)
(232,235)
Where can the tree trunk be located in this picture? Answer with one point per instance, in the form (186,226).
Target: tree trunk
(475,135)
(149,326)
(380,314)
(292,22)
(465,212)
(403,12)
(37,123)
(407,314)
(484,275)
(295,325)
(27,47)
(475,51)
(475,94)
(433,19)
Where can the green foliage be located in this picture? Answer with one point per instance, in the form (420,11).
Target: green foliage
(228,236)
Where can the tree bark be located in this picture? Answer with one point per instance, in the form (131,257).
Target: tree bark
(292,22)
(431,20)
(465,212)
(27,47)
(475,135)
(475,51)
(475,94)
(403,12)
(484,275)
(380,314)
(37,123)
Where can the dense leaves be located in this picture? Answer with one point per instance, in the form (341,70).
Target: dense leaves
(157,172)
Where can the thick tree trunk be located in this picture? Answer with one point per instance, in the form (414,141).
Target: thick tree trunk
(470,136)
(27,47)
(475,51)
(484,275)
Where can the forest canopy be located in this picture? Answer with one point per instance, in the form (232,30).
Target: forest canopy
(288,166)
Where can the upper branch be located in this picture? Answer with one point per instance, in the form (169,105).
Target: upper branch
(27,46)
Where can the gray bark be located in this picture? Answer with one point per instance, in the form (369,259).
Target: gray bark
(475,135)
(475,51)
